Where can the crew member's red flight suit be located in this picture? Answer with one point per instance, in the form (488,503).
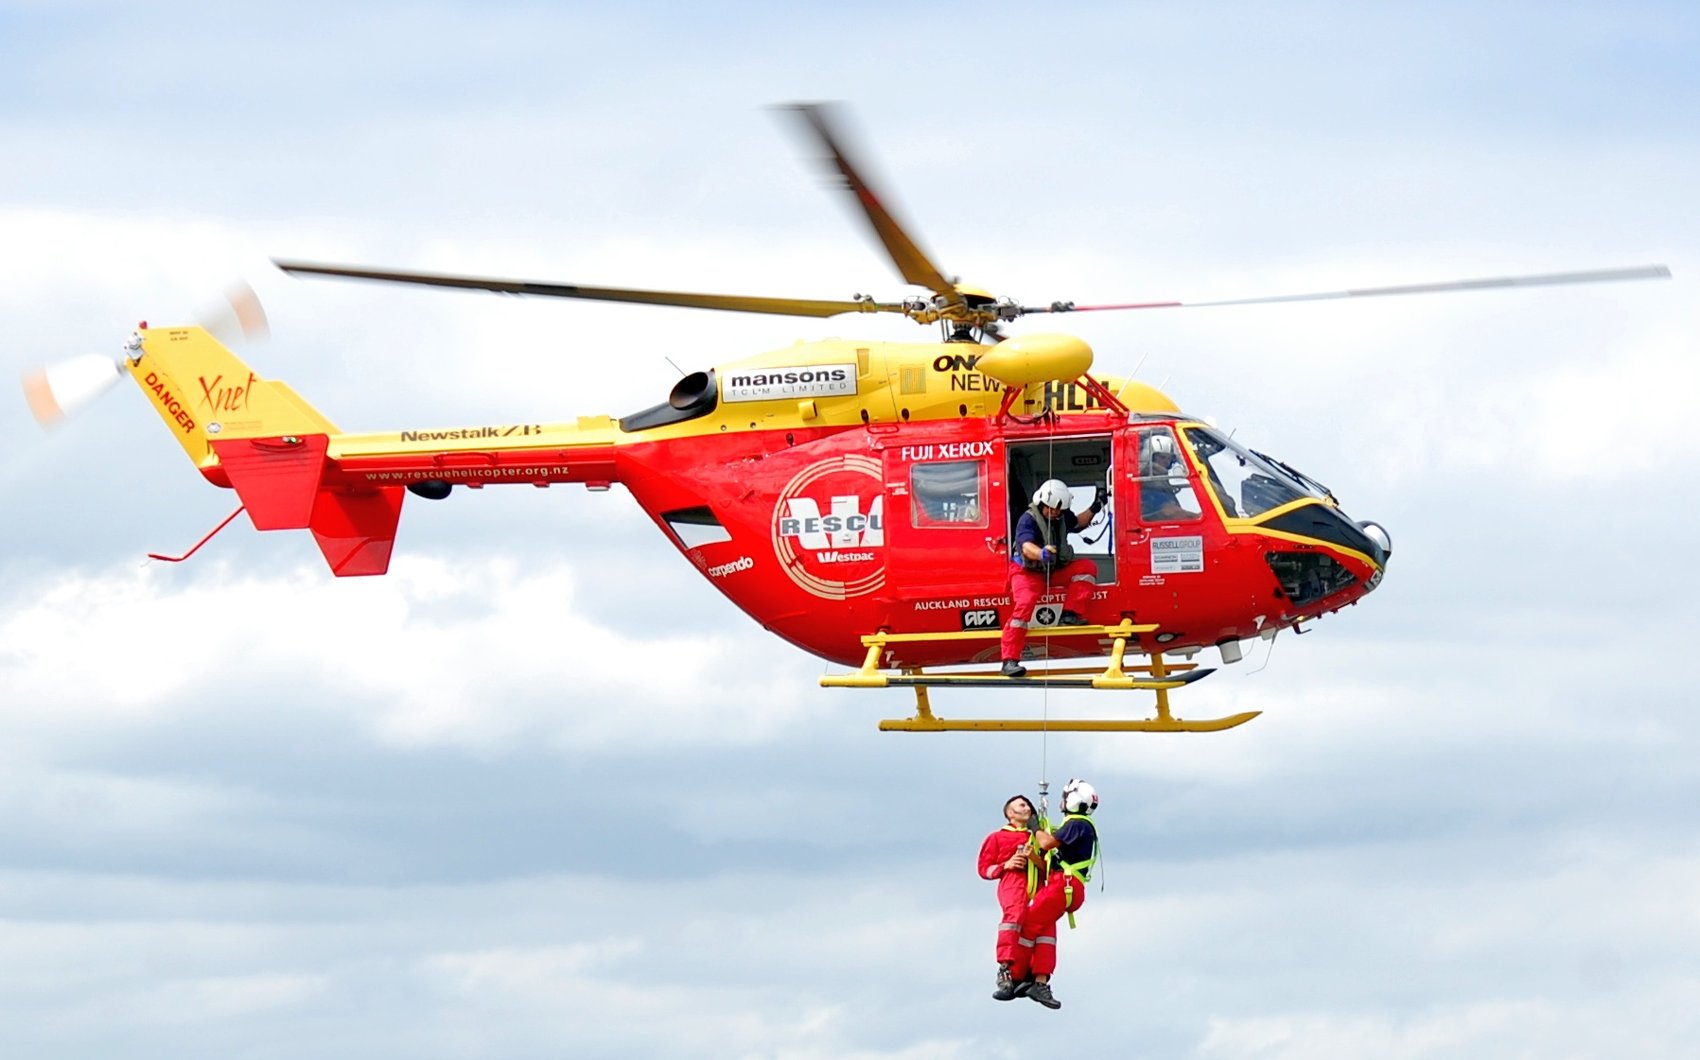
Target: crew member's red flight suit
(1012,885)
(1062,893)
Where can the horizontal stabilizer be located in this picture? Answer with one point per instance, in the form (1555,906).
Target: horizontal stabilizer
(277,478)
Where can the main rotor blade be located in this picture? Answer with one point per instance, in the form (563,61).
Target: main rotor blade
(795,307)
(1643,272)
(910,260)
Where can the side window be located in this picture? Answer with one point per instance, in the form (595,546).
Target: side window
(948,493)
(1165,490)
(695,527)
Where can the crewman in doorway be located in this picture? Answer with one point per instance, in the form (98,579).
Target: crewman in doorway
(1042,557)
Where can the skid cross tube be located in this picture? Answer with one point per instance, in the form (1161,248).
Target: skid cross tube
(1157,677)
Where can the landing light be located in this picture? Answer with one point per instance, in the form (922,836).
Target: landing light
(1377,533)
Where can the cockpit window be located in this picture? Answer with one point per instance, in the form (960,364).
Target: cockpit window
(1245,483)
(1165,490)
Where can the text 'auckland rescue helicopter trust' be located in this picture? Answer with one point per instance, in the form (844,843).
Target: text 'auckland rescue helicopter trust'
(856,498)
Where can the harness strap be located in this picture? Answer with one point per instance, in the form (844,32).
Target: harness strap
(1065,551)
(1076,870)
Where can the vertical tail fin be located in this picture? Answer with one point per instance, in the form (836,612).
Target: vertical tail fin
(206,394)
(258,437)
(356,531)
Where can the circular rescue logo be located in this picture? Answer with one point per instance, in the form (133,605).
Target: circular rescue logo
(829,528)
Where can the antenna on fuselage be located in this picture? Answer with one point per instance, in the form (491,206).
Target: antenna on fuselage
(1270,654)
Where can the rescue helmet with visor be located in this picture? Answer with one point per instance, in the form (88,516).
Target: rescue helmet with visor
(1079,797)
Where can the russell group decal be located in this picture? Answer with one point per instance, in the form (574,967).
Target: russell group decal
(829,528)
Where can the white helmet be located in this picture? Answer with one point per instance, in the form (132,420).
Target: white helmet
(1079,797)
(1053,494)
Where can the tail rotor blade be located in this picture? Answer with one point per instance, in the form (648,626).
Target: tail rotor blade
(58,391)
(239,318)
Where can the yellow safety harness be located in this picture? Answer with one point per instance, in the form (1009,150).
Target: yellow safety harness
(1034,856)
(1072,870)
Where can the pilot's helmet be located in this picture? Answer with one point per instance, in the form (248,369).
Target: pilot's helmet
(1158,444)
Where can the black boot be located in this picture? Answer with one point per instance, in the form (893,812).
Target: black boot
(1013,668)
(1041,992)
(1006,985)
(1071,618)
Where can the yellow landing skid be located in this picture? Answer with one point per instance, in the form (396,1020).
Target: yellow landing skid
(1157,677)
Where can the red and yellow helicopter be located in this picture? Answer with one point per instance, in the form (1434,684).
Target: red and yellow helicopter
(855,498)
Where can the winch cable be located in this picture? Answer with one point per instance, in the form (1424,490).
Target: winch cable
(1045,685)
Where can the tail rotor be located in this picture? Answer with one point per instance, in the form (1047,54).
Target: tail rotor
(56,392)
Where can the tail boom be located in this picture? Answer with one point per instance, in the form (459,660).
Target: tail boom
(294,470)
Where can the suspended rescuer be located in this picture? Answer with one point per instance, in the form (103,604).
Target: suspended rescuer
(1071,851)
(1042,557)
(1007,856)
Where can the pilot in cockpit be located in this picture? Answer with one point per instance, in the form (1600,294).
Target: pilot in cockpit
(1164,492)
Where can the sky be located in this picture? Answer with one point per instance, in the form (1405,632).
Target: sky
(541,791)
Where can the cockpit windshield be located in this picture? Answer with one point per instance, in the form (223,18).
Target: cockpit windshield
(1246,483)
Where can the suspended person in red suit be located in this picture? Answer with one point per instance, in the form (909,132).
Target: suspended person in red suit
(1043,559)
(1072,850)
(1004,858)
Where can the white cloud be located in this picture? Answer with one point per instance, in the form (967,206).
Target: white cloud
(1456,1031)
(224,998)
(1637,1026)
(525,975)
(483,654)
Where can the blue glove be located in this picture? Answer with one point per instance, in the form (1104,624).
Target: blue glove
(1048,555)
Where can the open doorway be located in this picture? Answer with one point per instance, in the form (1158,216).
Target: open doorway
(1083,464)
